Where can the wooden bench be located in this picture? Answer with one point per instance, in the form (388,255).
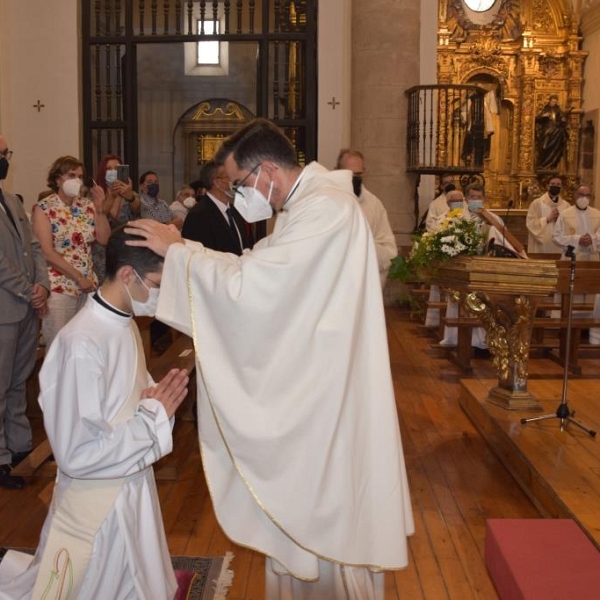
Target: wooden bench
(462,353)
(541,559)
(558,350)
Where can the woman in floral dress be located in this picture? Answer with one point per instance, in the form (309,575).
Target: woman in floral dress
(66,225)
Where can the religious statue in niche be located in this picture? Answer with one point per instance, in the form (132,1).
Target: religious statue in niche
(490,111)
(551,135)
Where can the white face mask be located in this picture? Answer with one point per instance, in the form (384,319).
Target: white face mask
(72,187)
(189,202)
(144,309)
(582,202)
(252,204)
(110,177)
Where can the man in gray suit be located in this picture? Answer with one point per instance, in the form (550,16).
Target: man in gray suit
(23,291)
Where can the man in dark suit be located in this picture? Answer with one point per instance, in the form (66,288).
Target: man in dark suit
(23,292)
(213,221)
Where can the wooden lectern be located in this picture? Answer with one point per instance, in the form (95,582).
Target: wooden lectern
(503,293)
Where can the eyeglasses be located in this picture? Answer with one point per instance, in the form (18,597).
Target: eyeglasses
(145,277)
(235,187)
(6,154)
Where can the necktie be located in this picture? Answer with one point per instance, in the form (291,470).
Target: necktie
(233,228)
(8,213)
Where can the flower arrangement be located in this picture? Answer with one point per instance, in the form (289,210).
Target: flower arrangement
(454,236)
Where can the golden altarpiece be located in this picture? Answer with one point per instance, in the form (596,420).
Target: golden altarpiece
(520,53)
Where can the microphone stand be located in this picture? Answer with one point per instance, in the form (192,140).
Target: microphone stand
(563,412)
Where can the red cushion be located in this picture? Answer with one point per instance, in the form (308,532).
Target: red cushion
(184,582)
(541,559)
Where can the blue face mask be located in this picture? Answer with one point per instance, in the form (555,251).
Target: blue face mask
(152,189)
(110,177)
(455,205)
(475,205)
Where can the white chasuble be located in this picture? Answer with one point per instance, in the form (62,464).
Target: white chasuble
(297,419)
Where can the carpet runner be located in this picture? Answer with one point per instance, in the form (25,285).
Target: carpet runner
(198,578)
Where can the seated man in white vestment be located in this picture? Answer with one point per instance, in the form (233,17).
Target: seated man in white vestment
(107,422)
(436,213)
(438,207)
(297,418)
(495,231)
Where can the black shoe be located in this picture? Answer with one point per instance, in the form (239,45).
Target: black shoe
(18,457)
(8,481)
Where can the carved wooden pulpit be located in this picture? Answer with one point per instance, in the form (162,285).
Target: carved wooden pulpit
(503,293)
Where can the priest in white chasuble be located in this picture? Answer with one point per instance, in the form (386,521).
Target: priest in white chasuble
(298,426)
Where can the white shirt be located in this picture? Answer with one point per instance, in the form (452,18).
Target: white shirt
(223,208)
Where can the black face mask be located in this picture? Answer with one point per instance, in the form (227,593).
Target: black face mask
(554,190)
(357,185)
(3,168)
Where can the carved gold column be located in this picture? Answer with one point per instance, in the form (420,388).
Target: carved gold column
(503,293)
(508,323)
(526,132)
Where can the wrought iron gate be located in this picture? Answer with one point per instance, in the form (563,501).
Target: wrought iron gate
(284,32)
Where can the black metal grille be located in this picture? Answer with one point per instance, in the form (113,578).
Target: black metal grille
(284,32)
(445,129)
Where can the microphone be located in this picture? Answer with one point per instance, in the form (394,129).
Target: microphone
(510,205)
(569,252)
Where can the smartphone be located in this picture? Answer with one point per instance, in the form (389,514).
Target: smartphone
(123,173)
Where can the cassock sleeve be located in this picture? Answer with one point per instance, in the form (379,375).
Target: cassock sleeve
(85,444)
(561,237)
(536,221)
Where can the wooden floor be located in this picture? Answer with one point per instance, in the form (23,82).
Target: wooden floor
(457,481)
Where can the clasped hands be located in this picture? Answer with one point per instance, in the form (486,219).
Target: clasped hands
(170,390)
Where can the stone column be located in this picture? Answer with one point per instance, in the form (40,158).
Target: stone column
(385,63)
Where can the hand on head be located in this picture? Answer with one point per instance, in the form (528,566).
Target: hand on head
(157,236)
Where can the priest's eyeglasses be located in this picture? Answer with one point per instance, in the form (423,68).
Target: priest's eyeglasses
(7,154)
(235,187)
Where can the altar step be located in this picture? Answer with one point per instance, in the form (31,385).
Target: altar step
(558,470)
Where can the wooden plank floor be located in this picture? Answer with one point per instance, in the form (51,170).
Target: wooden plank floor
(456,480)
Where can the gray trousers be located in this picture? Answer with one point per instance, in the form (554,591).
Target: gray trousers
(18,343)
